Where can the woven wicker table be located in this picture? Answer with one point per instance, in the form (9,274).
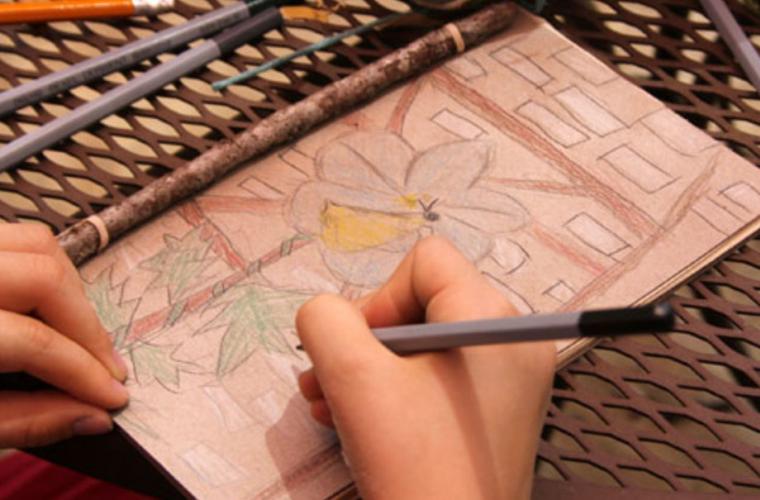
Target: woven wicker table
(676,413)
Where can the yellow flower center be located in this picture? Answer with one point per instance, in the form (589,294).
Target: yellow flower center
(351,229)
(408,201)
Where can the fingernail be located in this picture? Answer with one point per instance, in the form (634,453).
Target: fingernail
(119,388)
(93,424)
(121,365)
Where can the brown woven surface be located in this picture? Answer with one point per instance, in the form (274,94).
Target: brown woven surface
(101,165)
(678,412)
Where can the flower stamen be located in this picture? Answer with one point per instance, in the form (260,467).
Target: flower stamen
(428,213)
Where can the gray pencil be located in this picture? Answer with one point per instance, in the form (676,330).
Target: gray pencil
(121,96)
(604,323)
(127,55)
(737,41)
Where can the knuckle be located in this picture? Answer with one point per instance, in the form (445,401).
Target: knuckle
(36,337)
(40,238)
(37,433)
(52,273)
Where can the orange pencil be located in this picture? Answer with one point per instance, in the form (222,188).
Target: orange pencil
(68,10)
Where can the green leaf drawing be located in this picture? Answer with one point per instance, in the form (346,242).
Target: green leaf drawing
(108,299)
(255,316)
(180,265)
(153,362)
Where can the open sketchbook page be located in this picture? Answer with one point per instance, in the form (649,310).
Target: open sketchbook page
(568,186)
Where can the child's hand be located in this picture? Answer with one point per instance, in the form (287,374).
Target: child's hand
(48,329)
(457,424)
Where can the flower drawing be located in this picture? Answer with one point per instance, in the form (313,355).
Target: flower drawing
(374,197)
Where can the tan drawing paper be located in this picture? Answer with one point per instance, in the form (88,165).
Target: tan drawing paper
(568,186)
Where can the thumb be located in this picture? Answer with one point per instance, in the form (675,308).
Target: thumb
(44,417)
(340,344)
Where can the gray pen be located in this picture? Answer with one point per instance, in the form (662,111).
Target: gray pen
(127,55)
(47,135)
(426,337)
(737,41)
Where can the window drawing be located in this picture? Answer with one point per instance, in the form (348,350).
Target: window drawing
(594,234)
(552,125)
(637,169)
(589,112)
(521,65)
(466,68)
(584,64)
(458,125)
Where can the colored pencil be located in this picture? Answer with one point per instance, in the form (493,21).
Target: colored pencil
(128,55)
(71,10)
(426,337)
(309,49)
(123,95)
(731,33)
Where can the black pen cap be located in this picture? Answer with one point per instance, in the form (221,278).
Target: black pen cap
(654,317)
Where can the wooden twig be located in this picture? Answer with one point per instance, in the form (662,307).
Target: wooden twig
(82,239)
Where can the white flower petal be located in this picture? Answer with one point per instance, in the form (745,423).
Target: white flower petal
(508,254)
(485,209)
(472,242)
(372,160)
(310,200)
(448,167)
(368,268)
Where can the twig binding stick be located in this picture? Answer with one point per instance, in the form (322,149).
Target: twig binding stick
(82,241)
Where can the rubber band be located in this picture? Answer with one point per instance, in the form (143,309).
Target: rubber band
(100,227)
(456,35)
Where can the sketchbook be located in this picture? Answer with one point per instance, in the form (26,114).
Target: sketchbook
(568,186)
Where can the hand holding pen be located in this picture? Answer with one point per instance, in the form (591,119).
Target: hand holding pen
(461,423)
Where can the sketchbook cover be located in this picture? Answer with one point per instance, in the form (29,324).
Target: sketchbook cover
(568,186)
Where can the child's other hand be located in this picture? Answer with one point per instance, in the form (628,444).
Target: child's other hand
(457,424)
(49,330)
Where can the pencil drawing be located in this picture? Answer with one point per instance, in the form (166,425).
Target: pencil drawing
(587,111)
(466,67)
(522,66)
(743,195)
(563,190)
(374,197)
(639,170)
(457,125)
(586,66)
(552,125)
(595,234)
(108,299)
(180,266)
(560,291)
